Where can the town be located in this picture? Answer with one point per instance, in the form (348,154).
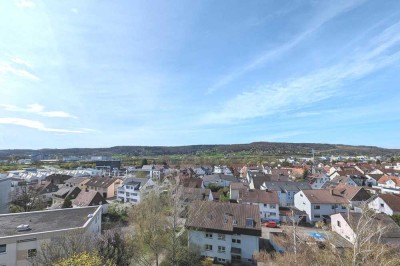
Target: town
(185,214)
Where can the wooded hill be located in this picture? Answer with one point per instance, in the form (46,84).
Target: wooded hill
(262,148)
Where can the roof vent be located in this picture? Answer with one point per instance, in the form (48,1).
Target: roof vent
(90,215)
(23,227)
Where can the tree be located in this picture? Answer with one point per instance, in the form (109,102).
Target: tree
(67,203)
(144,162)
(116,247)
(84,258)
(27,198)
(396,218)
(150,228)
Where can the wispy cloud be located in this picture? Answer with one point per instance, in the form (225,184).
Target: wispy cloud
(265,100)
(25,4)
(6,68)
(36,109)
(322,18)
(20,61)
(36,125)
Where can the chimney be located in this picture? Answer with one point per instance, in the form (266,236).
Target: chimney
(331,191)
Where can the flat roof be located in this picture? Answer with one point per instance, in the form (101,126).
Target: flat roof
(44,221)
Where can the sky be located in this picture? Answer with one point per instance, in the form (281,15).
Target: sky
(85,73)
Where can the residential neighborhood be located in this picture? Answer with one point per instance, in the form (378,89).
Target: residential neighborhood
(229,219)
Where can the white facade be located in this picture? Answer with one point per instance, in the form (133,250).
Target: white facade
(219,246)
(380,206)
(20,248)
(340,226)
(134,194)
(316,211)
(269,211)
(318,182)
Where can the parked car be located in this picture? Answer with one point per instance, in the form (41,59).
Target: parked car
(271,224)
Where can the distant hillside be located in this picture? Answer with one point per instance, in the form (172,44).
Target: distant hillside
(264,148)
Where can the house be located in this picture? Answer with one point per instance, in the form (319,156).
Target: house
(389,184)
(286,190)
(385,203)
(5,194)
(133,189)
(191,182)
(106,186)
(189,194)
(63,193)
(235,188)
(267,201)
(346,224)
(356,196)
(319,204)
(219,180)
(226,232)
(318,181)
(77,182)
(90,198)
(23,234)
(46,189)
(257,179)
(57,179)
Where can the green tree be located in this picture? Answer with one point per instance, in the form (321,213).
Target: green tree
(84,259)
(144,162)
(67,203)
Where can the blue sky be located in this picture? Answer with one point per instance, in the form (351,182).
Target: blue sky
(104,73)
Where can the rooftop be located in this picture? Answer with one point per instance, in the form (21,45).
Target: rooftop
(43,221)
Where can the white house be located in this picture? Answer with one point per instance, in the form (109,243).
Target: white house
(319,204)
(286,190)
(385,203)
(226,232)
(345,225)
(22,234)
(267,201)
(389,184)
(318,181)
(133,189)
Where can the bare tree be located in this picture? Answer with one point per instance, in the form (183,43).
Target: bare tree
(27,197)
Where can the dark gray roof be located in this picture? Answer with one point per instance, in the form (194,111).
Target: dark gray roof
(287,186)
(42,221)
(210,178)
(133,181)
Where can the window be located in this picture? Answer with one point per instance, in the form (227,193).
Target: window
(236,257)
(272,206)
(221,249)
(237,241)
(382,205)
(317,207)
(301,195)
(265,205)
(32,253)
(333,207)
(338,223)
(317,216)
(221,237)
(208,247)
(208,235)
(221,260)
(133,194)
(343,207)
(3,248)
(234,222)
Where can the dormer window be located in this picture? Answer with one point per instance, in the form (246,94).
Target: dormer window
(250,222)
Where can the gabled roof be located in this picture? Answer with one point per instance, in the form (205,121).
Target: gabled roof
(103,182)
(287,186)
(238,185)
(393,201)
(137,182)
(324,196)
(258,196)
(192,194)
(392,229)
(88,198)
(352,193)
(77,180)
(225,217)
(386,178)
(214,177)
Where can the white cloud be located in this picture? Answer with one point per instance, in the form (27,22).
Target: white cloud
(25,4)
(7,68)
(294,94)
(20,61)
(35,125)
(323,17)
(36,109)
